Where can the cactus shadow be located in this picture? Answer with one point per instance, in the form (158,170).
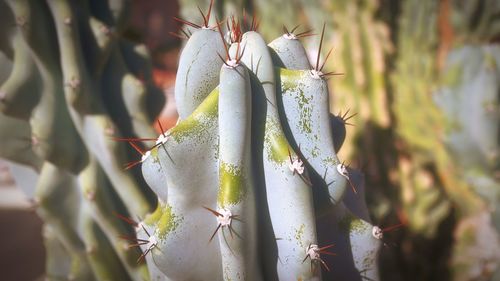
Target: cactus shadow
(267,239)
(276,59)
(356,202)
(338,131)
(342,265)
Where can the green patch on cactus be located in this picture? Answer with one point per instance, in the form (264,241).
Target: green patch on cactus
(194,124)
(289,85)
(210,105)
(358,226)
(345,223)
(231,184)
(315,151)
(154,154)
(330,161)
(350,224)
(154,217)
(289,78)
(164,219)
(305,111)
(299,233)
(275,142)
(305,120)
(168,222)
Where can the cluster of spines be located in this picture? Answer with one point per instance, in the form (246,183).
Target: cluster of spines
(291,35)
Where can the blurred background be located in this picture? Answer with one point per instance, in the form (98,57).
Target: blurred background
(423,80)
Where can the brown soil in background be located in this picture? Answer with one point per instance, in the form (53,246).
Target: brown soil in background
(23,255)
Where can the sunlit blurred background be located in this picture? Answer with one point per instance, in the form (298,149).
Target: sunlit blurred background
(421,79)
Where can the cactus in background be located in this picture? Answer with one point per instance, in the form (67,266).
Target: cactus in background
(460,93)
(70,83)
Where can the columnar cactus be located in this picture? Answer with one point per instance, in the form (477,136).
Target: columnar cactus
(249,183)
(70,85)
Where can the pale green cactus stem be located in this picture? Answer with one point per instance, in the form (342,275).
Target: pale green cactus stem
(16,98)
(15,133)
(191,88)
(288,52)
(286,181)
(199,65)
(89,120)
(101,202)
(126,97)
(104,41)
(146,234)
(59,201)
(57,265)
(305,105)
(304,98)
(155,174)
(76,56)
(79,90)
(102,258)
(79,233)
(138,60)
(52,129)
(17,142)
(236,195)
(180,222)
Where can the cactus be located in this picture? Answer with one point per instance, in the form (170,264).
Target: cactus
(70,84)
(266,171)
